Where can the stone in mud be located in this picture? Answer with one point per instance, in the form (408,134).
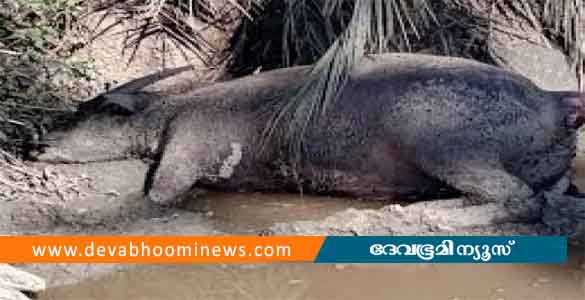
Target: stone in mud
(14,281)
(10,294)
(405,126)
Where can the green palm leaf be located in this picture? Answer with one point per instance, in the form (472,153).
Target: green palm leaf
(373,26)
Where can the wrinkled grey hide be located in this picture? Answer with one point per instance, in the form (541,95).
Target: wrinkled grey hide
(405,126)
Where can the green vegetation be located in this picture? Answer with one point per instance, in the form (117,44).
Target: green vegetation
(38,77)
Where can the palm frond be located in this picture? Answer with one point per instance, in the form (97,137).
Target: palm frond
(183,22)
(308,28)
(284,33)
(374,25)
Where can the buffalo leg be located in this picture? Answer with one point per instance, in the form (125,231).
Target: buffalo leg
(190,156)
(493,196)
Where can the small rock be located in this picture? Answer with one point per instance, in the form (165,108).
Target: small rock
(113,193)
(295,281)
(500,290)
(444,228)
(340,266)
(11,294)
(46,173)
(11,277)
(543,280)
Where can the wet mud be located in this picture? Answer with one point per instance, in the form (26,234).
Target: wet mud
(113,205)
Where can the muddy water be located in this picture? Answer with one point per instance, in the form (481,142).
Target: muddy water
(242,214)
(246,213)
(310,281)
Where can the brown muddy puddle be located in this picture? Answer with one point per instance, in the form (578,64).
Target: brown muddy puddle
(246,213)
(311,281)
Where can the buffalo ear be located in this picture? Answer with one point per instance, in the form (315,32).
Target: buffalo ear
(122,103)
